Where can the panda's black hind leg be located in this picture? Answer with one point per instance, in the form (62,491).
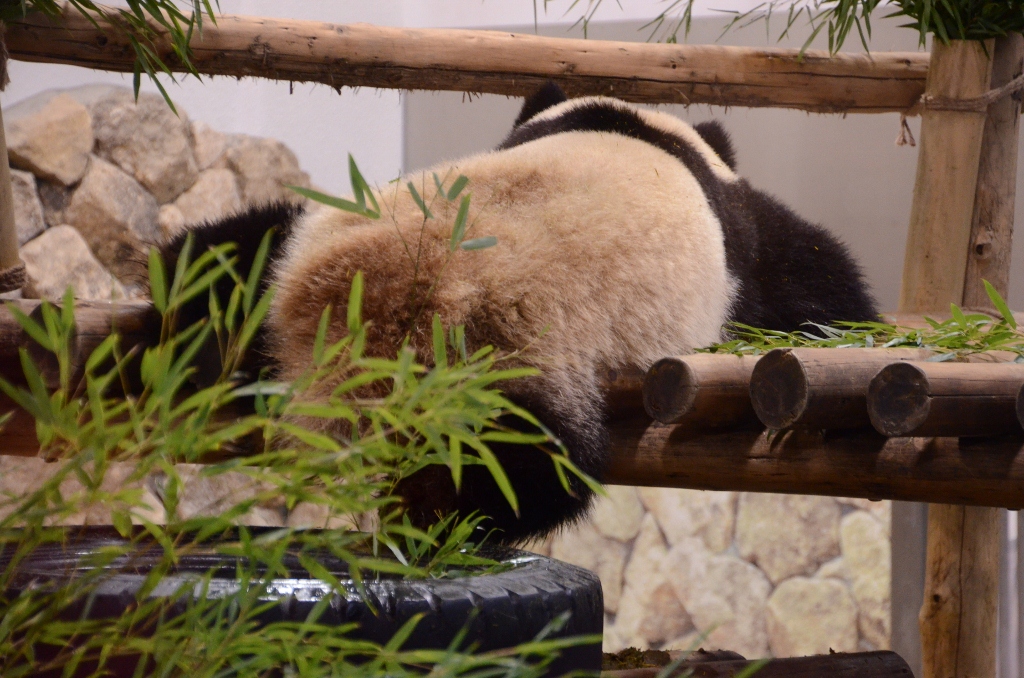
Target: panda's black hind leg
(544,504)
(246,230)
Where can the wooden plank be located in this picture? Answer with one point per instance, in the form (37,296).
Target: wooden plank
(819,388)
(707,389)
(360,55)
(945,399)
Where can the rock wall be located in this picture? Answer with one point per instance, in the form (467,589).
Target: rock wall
(759,574)
(100,176)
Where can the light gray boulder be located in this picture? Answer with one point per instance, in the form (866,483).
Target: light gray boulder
(147,140)
(264,167)
(116,215)
(60,258)
(51,136)
(213,196)
(28,210)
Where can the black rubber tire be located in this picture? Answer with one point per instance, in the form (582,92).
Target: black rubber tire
(501,610)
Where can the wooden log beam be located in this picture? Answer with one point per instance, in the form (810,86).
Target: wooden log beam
(880,664)
(976,472)
(12,270)
(707,389)
(496,62)
(946,399)
(819,388)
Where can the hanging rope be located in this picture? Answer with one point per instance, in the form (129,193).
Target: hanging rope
(3,60)
(13,278)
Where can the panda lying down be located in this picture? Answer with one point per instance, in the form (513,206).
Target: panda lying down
(623,236)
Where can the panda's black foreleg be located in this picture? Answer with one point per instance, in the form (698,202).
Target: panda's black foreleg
(544,504)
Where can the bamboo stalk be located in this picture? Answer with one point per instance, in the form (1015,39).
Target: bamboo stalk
(496,62)
(945,399)
(707,389)
(819,388)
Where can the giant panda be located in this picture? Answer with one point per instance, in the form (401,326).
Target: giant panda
(624,235)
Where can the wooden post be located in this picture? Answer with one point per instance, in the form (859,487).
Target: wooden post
(960,611)
(12,271)
(992,224)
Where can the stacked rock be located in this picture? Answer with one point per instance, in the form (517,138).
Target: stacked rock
(99,177)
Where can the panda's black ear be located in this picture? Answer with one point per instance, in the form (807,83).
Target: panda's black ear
(718,139)
(547,96)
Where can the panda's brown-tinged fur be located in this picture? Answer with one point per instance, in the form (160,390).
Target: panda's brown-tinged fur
(623,236)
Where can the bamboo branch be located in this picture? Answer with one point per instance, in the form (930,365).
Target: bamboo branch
(495,62)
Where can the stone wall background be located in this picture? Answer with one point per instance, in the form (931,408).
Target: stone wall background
(760,574)
(98,177)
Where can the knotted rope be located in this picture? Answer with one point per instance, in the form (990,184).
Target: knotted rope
(13,278)
(977,104)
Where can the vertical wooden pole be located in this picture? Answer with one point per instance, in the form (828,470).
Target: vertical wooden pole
(12,271)
(947,174)
(954,240)
(992,226)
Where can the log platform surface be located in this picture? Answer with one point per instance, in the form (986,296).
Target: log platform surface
(985,471)
(360,55)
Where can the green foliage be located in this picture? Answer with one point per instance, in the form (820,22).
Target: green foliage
(134,22)
(945,19)
(963,334)
(400,416)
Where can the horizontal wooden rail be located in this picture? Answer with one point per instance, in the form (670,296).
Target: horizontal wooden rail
(865,464)
(359,55)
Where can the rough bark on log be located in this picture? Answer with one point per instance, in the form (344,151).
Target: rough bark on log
(959,614)
(819,388)
(947,175)
(992,223)
(946,399)
(980,472)
(500,63)
(880,664)
(708,389)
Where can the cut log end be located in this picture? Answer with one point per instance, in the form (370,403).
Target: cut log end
(669,390)
(778,389)
(898,399)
